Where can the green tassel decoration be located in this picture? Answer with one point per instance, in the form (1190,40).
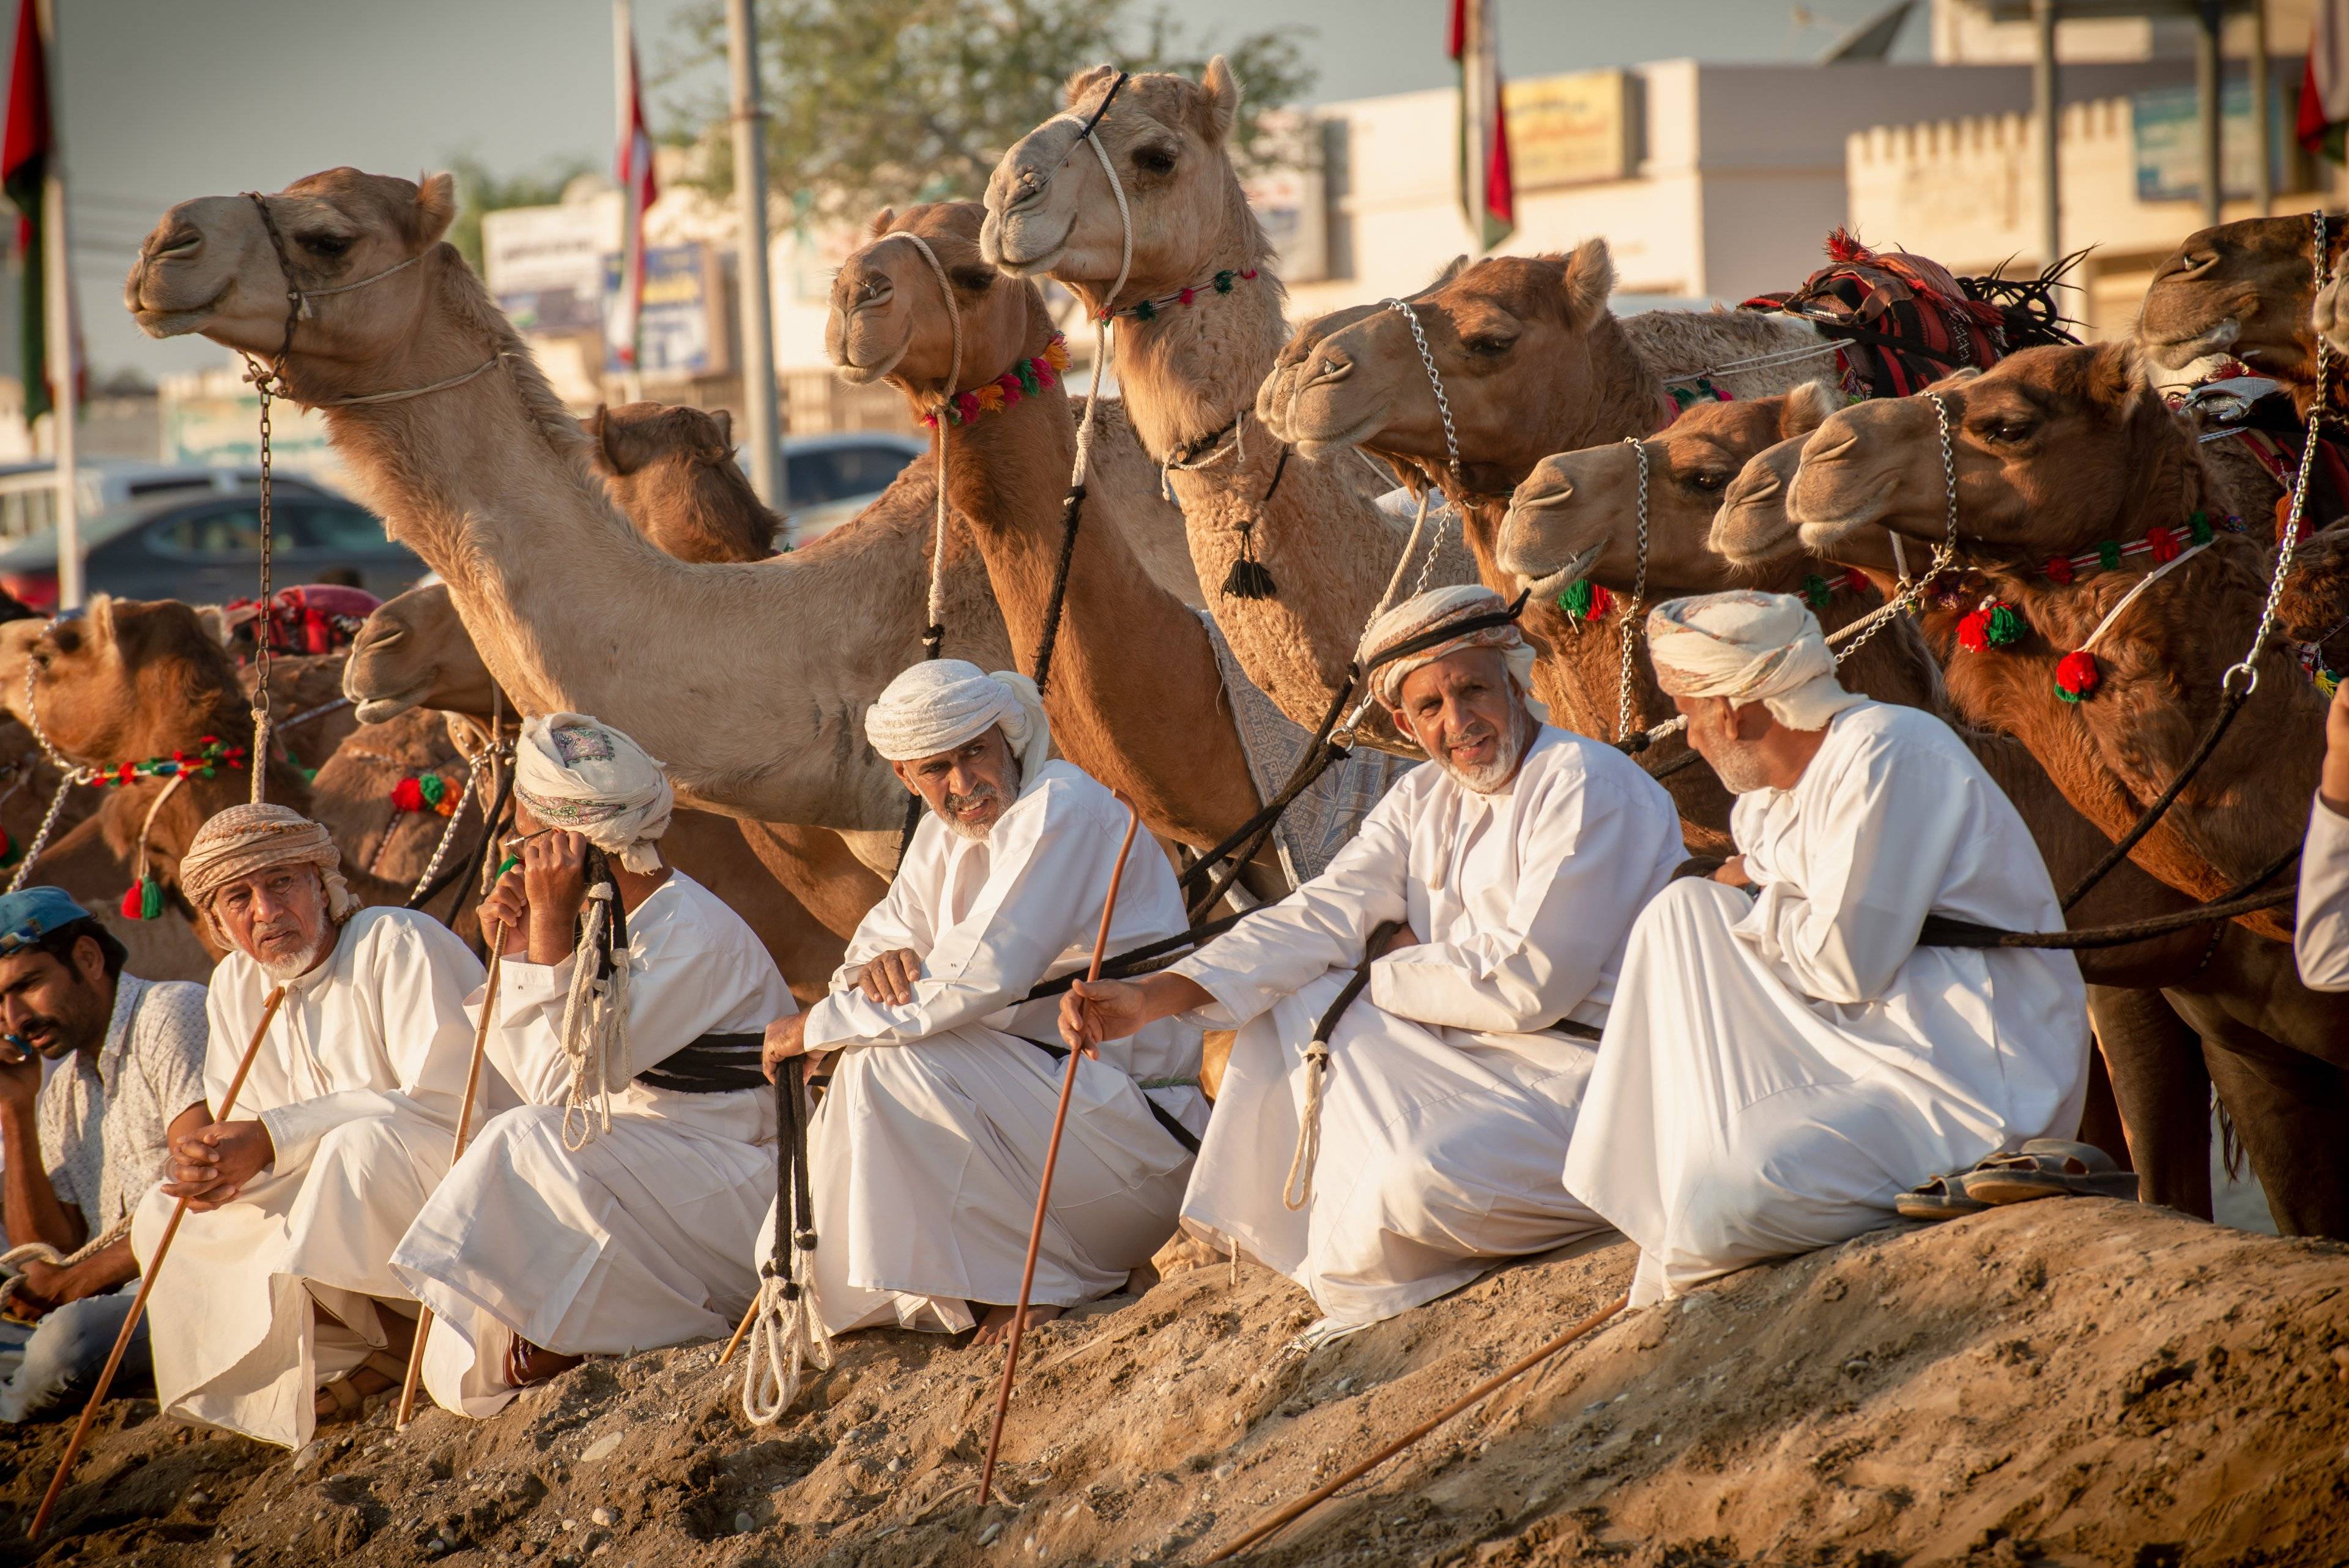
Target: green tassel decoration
(1816,590)
(1576,600)
(151,899)
(2108,555)
(2198,527)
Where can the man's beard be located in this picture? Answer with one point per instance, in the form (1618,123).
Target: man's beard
(949,812)
(64,1036)
(294,968)
(1739,767)
(1486,777)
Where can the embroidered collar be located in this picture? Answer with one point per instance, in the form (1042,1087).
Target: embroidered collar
(1025,379)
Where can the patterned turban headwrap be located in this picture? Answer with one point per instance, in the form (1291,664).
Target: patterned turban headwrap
(942,703)
(1749,648)
(1431,611)
(244,839)
(590,779)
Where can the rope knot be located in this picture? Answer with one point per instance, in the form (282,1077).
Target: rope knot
(805,1241)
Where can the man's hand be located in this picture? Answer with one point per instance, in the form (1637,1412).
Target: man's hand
(786,1039)
(554,880)
(1733,873)
(1092,1011)
(2333,782)
(20,1075)
(889,978)
(507,909)
(41,1290)
(210,1167)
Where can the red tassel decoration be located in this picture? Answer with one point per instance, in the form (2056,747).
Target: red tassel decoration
(408,796)
(2059,568)
(2162,545)
(130,901)
(2076,675)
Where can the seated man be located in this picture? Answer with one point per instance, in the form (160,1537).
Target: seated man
(1784,1060)
(279,1280)
(926,1151)
(613,1209)
(82,1148)
(1515,866)
(2321,942)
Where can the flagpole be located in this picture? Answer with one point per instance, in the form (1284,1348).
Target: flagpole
(57,303)
(623,116)
(768,475)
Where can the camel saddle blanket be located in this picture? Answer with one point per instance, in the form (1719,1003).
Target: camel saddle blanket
(1319,822)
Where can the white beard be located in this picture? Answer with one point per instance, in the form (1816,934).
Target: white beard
(1496,775)
(1739,771)
(282,970)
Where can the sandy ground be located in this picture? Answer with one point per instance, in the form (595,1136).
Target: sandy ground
(2083,1382)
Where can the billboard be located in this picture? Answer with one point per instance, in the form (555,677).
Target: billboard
(1573,129)
(2165,127)
(681,330)
(555,272)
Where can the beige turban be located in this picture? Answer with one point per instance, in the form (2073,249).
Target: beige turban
(1429,612)
(590,779)
(244,839)
(1749,648)
(942,703)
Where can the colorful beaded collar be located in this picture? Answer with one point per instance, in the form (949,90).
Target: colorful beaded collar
(212,754)
(1585,601)
(1024,379)
(1149,309)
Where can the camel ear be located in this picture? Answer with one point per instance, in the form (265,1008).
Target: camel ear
(213,618)
(2117,375)
(881,221)
(1222,107)
(436,207)
(1081,84)
(1449,271)
(1589,279)
(607,443)
(1807,408)
(724,419)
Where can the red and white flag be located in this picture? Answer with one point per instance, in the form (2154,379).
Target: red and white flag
(1487,196)
(633,171)
(2325,90)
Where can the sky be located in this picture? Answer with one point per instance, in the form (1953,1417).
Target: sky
(166,99)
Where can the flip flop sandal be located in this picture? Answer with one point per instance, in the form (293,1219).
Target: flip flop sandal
(347,1400)
(1943,1198)
(2049,1167)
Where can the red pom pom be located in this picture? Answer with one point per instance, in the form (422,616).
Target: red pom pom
(1601,601)
(1188,296)
(1044,376)
(2163,543)
(2076,675)
(408,796)
(132,898)
(1974,631)
(968,403)
(2059,568)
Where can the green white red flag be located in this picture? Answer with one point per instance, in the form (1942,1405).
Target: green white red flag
(25,152)
(2324,85)
(632,170)
(1486,197)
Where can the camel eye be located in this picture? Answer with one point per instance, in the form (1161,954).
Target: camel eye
(1487,347)
(975,280)
(1154,159)
(1711,480)
(324,244)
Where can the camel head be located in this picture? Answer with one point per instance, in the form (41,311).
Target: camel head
(671,470)
(125,680)
(1577,514)
(2053,449)
(413,652)
(1513,339)
(1751,530)
(1050,209)
(210,267)
(888,319)
(2243,290)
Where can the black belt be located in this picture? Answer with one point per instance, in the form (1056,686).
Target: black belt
(1175,1129)
(713,1064)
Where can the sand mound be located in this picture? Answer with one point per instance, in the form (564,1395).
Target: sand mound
(2083,1382)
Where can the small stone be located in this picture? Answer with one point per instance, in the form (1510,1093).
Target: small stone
(227,1559)
(604,1517)
(570,1524)
(603,1447)
(198,1498)
(987,1536)
(744,1524)
(312,1452)
(1856,1367)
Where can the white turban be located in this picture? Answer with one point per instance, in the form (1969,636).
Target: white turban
(1431,611)
(1749,648)
(942,703)
(575,774)
(243,839)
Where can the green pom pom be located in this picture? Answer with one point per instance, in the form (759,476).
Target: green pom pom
(2108,555)
(1028,376)
(1145,311)
(1576,600)
(433,787)
(1223,283)
(151,900)
(1816,590)
(2003,626)
(2198,527)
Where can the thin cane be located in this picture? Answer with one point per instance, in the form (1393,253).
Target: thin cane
(1044,1190)
(464,1125)
(1265,1528)
(146,1283)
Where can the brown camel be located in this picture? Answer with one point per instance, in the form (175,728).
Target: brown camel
(1190,365)
(2244,290)
(1135,696)
(488,478)
(308,716)
(717,516)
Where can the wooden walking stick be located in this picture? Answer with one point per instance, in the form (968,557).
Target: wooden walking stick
(464,1125)
(1044,1190)
(1273,1524)
(146,1283)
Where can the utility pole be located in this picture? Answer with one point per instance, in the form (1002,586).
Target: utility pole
(64,407)
(2262,132)
(768,475)
(2046,109)
(2207,85)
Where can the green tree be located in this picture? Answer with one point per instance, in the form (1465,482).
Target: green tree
(877,103)
(480,191)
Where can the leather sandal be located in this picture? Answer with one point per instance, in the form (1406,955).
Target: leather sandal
(527,1364)
(1942,1198)
(348,1401)
(2049,1167)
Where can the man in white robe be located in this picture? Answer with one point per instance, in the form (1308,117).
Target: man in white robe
(611,1210)
(278,1280)
(1785,1059)
(929,1147)
(2321,941)
(1516,863)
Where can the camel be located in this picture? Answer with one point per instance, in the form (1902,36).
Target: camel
(1135,694)
(488,478)
(1200,325)
(636,441)
(308,717)
(2244,290)
(1579,508)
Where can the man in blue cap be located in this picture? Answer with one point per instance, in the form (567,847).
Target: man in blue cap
(77,1154)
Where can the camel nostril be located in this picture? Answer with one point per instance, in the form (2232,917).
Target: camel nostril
(1836,444)
(1329,368)
(177,246)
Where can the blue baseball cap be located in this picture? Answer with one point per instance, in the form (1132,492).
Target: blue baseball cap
(28,915)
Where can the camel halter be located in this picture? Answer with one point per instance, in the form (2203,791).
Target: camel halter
(1450,462)
(1908,591)
(933,631)
(68,775)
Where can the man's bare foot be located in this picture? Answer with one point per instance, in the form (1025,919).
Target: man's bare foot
(527,1364)
(995,1325)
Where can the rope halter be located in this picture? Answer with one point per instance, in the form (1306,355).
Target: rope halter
(934,629)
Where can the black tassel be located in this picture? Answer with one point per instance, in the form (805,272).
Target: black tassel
(1249,578)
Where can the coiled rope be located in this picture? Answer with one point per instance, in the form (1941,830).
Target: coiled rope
(787,1332)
